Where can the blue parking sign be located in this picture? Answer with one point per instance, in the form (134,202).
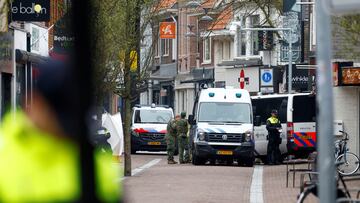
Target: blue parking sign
(266,77)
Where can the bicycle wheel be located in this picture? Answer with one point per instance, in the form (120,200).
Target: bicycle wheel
(310,189)
(350,165)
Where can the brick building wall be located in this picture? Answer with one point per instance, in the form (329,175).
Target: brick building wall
(57,8)
(343,48)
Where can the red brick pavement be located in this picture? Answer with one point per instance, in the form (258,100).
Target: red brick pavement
(274,185)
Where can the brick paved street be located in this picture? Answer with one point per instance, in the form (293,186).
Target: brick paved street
(209,183)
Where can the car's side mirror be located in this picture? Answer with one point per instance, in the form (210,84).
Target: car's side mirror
(257,121)
(191,119)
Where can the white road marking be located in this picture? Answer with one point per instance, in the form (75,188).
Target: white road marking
(141,168)
(146,152)
(146,166)
(256,193)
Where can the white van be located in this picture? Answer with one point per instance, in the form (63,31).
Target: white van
(297,114)
(148,127)
(221,126)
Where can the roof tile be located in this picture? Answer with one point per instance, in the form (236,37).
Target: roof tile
(223,20)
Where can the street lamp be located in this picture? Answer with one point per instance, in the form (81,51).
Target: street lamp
(192,4)
(206,17)
(190,33)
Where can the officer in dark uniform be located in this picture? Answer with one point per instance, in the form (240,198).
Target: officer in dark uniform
(273,127)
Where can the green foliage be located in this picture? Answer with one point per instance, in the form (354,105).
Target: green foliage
(116,33)
(350,31)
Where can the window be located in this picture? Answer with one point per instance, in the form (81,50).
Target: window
(304,109)
(224,112)
(226,50)
(255,22)
(243,40)
(157,48)
(262,107)
(183,98)
(152,116)
(35,39)
(207,50)
(165,47)
(250,37)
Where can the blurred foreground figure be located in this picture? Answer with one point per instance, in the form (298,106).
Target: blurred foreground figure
(39,154)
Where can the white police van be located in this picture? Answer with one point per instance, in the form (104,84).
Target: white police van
(221,126)
(297,114)
(148,127)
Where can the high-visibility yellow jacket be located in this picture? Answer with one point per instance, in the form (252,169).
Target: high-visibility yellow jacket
(39,167)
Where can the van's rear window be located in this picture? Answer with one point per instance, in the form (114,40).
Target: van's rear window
(304,109)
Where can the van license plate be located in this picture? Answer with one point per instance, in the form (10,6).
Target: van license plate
(224,152)
(306,137)
(154,143)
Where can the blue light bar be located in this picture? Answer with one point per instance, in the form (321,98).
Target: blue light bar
(238,95)
(211,94)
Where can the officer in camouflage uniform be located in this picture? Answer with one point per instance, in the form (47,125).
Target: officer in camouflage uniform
(182,128)
(170,138)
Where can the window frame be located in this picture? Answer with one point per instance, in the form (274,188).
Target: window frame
(226,46)
(166,43)
(35,46)
(206,41)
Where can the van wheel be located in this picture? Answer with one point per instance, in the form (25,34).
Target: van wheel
(229,162)
(263,159)
(133,151)
(248,162)
(198,161)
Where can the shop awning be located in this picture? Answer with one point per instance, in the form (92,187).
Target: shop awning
(22,56)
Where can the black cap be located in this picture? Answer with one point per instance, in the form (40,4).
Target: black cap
(274,111)
(55,82)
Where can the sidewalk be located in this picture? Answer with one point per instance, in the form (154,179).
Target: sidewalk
(274,185)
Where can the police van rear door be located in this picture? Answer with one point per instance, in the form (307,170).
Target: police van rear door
(304,121)
(262,107)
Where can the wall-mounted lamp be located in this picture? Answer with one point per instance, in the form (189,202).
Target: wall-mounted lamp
(190,33)
(206,17)
(192,4)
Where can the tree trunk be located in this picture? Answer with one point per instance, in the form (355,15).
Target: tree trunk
(127,116)
(127,137)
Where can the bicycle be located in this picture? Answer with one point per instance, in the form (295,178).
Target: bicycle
(350,161)
(343,195)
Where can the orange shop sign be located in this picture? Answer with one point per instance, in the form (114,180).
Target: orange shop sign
(350,76)
(167,30)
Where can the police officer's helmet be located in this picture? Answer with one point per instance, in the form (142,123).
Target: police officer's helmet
(274,111)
